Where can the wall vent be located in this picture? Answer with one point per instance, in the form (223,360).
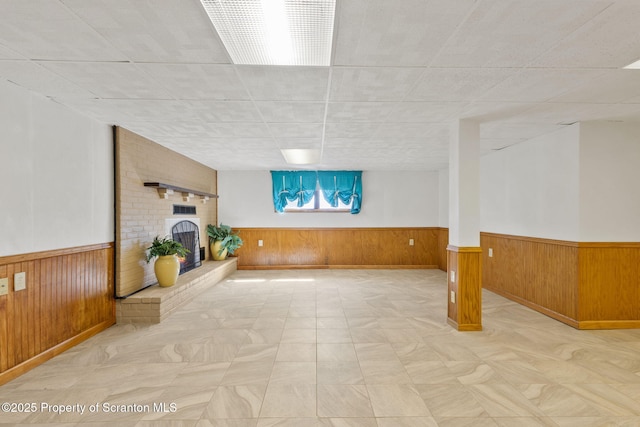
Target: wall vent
(184,210)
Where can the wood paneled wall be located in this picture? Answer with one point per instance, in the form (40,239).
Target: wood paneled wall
(464,312)
(443,242)
(609,291)
(339,248)
(68,298)
(585,285)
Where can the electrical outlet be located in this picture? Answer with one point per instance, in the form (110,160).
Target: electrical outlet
(490,252)
(453,297)
(4,286)
(260,243)
(410,242)
(20,281)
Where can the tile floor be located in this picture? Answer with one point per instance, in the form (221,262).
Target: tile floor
(340,348)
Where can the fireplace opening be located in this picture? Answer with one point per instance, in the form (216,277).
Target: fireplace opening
(188,234)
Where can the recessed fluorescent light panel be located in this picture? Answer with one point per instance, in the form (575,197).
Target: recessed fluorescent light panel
(633,66)
(301,156)
(275,32)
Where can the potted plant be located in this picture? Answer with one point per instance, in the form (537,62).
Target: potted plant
(167,266)
(222,241)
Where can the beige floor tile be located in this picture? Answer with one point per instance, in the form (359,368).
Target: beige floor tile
(384,372)
(407,422)
(339,373)
(339,400)
(289,401)
(299,336)
(347,422)
(243,373)
(293,373)
(301,323)
(243,355)
(396,400)
(369,352)
(305,352)
(242,401)
(329,336)
(336,352)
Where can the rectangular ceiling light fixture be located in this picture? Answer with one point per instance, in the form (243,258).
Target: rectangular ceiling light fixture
(275,32)
(633,65)
(301,156)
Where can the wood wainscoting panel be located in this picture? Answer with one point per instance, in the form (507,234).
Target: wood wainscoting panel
(585,285)
(338,248)
(69,294)
(609,285)
(465,309)
(539,273)
(443,242)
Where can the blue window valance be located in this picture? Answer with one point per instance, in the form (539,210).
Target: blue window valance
(289,186)
(300,186)
(344,186)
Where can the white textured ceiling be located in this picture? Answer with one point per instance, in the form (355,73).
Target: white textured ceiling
(402,72)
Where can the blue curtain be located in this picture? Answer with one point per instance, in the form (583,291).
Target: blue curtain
(342,185)
(289,186)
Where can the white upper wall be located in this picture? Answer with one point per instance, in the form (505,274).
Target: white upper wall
(609,182)
(57,172)
(389,199)
(443,200)
(532,188)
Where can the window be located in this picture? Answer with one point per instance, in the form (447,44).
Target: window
(321,191)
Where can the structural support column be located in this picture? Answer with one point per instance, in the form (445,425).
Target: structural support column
(464,256)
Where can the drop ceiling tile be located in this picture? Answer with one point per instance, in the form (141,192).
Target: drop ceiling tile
(198,81)
(610,87)
(223,111)
(489,111)
(272,83)
(224,154)
(109,79)
(296,130)
(158,31)
(44,29)
(115,111)
(353,143)
(608,40)
(358,111)
(538,85)
(513,33)
(291,111)
(350,130)
(457,84)
(199,129)
(413,130)
(372,84)
(425,112)
(300,143)
(35,78)
(555,113)
(394,33)
(6,53)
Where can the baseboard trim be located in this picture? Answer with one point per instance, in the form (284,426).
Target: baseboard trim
(27,365)
(472,327)
(608,324)
(338,267)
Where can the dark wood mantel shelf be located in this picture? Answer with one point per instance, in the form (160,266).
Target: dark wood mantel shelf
(164,190)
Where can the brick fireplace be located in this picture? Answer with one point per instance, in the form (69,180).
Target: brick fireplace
(142,214)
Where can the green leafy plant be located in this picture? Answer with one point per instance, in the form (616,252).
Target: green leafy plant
(223,233)
(162,246)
